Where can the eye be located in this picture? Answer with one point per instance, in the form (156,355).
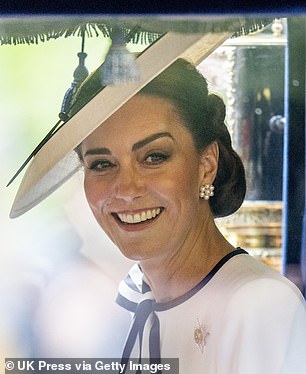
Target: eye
(100,165)
(156,158)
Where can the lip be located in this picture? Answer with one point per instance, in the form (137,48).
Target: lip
(138,225)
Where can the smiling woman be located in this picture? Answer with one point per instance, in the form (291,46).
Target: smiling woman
(157,171)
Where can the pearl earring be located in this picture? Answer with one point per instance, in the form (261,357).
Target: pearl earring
(206,191)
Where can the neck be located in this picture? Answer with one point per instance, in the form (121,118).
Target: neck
(172,276)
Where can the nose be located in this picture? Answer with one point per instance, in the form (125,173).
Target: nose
(130,184)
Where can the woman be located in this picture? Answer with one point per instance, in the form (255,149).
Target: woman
(156,174)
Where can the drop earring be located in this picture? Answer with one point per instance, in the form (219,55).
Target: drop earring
(206,191)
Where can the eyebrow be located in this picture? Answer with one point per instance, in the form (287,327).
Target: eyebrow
(150,139)
(98,151)
(135,147)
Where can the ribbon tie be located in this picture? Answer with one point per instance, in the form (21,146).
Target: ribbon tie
(135,296)
(143,311)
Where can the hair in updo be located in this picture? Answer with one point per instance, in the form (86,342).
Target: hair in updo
(204,116)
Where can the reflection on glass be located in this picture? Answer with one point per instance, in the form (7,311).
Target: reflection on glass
(249,73)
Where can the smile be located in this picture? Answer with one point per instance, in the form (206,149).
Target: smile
(143,216)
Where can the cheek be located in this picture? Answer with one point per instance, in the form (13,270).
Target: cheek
(180,187)
(187,179)
(96,194)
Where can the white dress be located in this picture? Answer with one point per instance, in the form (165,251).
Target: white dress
(243,318)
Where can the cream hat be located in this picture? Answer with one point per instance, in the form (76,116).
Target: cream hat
(56,161)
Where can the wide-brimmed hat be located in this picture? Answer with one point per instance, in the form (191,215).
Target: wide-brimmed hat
(54,161)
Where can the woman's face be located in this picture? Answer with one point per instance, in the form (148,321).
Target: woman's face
(142,179)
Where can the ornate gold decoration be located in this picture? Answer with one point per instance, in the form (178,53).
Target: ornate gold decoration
(256,227)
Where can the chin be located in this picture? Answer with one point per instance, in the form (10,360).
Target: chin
(135,254)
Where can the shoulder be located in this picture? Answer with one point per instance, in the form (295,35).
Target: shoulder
(247,284)
(262,309)
(244,271)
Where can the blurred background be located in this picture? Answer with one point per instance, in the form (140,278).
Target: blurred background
(54,301)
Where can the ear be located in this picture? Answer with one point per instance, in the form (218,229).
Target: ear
(209,163)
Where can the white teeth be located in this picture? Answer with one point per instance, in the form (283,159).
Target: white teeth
(139,217)
(129,218)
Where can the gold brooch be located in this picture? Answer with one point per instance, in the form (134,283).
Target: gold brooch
(200,336)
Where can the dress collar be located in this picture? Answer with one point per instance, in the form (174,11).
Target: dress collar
(134,289)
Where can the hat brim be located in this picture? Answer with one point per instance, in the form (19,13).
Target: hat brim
(57,161)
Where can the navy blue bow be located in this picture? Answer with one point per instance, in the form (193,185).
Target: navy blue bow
(142,313)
